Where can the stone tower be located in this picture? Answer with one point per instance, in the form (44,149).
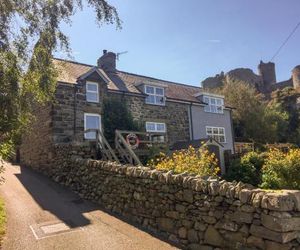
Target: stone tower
(267,72)
(296,77)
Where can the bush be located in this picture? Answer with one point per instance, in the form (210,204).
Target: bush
(281,170)
(200,162)
(247,169)
(116,115)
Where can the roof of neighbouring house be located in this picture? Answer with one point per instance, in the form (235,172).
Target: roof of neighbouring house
(194,143)
(70,71)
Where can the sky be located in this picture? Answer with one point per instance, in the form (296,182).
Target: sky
(188,40)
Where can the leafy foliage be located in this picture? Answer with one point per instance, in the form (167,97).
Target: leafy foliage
(253,118)
(29,34)
(247,169)
(281,170)
(200,162)
(117,116)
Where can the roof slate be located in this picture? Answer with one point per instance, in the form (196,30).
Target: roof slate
(69,71)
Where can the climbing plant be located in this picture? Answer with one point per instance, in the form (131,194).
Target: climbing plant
(116,115)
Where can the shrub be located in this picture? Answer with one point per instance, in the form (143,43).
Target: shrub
(200,162)
(281,170)
(247,169)
(116,115)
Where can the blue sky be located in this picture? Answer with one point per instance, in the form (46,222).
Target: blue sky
(187,41)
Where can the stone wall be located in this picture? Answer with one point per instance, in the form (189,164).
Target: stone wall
(36,147)
(189,211)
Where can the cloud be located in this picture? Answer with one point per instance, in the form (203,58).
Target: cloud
(213,41)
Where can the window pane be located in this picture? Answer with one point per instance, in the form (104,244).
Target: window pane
(215,131)
(206,99)
(213,108)
(213,101)
(159,138)
(221,131)
(209,130)
(91,97)
(159,100)
(150,99)
(92,122)
(159,91)
(221,138)
(160,127)
(91,87)
(219,102)
(149,90)
(150,126)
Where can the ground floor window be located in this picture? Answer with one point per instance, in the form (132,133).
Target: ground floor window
(91,121)
(158,127)
(217,133)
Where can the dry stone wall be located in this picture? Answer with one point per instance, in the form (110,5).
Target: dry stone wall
(187,210)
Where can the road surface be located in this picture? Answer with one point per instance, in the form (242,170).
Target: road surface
(44,215)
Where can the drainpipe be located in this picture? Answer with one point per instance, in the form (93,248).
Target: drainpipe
(191,122)
(232,130)
(75,110)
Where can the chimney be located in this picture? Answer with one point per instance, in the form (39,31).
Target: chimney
(107,61)
(267,72)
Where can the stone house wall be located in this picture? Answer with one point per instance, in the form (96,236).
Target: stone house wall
(67,107)
(174,115)
(189,211)
(36,148)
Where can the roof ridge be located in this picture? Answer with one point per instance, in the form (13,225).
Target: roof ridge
(125,72)
(177,83)
(75,62)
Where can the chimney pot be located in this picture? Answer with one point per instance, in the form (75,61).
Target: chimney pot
(104,51)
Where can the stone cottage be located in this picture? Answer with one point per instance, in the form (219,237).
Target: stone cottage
(181,112)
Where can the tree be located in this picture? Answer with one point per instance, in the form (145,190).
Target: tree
(253,118)
(29,34)
(286,100)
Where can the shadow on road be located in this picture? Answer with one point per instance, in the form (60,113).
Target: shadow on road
(58,200)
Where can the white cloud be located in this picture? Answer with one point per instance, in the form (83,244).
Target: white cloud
(213,41)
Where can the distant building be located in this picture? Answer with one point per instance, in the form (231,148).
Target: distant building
(265,81)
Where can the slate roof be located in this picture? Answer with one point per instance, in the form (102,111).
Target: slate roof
(69,71)
(179,145)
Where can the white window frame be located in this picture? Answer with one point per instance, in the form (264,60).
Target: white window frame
(92,91)
(216,136)
(212,106)
(155,95)
(155,125)
(85,125)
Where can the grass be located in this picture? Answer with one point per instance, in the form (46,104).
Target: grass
(2,220)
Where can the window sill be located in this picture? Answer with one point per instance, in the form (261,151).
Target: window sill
(217,113)
(156,104)
(92,101)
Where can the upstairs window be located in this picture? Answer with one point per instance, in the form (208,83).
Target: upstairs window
(214,104)
(92,92)
(217,133)
(156,95)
